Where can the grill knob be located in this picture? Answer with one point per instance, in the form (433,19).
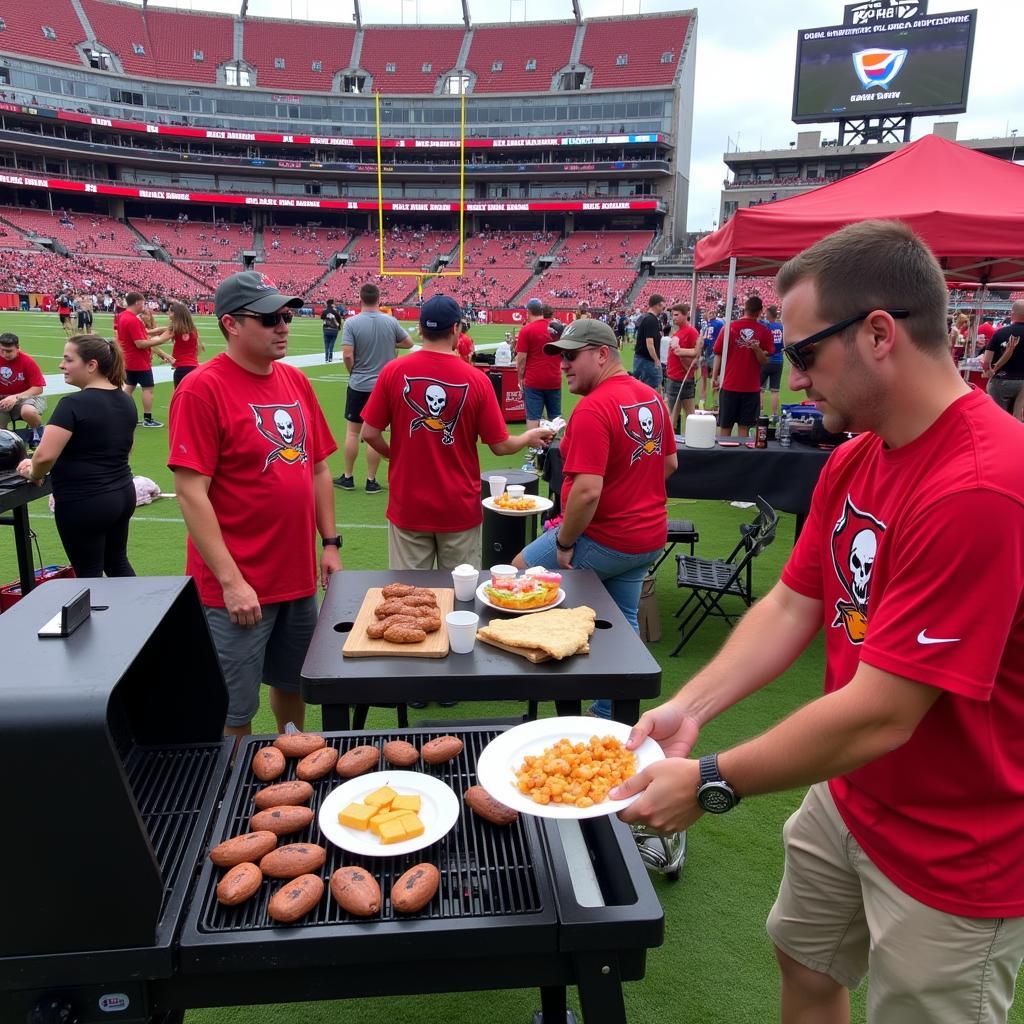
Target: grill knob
(53,1010)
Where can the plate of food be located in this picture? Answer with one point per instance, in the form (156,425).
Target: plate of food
(385,814)
(527,505)
(562,767)
(531,592)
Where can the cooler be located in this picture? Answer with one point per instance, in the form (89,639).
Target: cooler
(510,395)
(11,594)
(503,537)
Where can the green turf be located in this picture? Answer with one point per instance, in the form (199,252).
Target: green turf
(716,966)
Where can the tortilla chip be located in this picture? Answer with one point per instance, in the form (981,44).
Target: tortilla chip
(560,632)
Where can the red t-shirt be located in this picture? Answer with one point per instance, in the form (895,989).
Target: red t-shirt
(129,329)
(258,438)
(742,370)
(20,373)
(678,366)
(985,332)
(543,372)
(465,348)
(620,432)
(186,349)
(912,586)
(437,407)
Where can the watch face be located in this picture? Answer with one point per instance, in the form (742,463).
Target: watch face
(716,798)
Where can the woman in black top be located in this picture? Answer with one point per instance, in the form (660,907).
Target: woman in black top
(87,443)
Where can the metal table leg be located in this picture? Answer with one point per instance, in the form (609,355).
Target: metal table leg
(600,988)
(336,718)
(627,711)
(23,544)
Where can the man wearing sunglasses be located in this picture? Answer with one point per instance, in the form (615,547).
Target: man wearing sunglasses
(249,447)
(905,861)
(618,451)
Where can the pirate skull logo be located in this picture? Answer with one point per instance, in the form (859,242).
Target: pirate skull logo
(646,420)
(856,539)
(436,404)
(436,399)
(284,426)
(643,423)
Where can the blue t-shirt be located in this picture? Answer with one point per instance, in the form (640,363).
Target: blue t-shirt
(776,328)
(711,331)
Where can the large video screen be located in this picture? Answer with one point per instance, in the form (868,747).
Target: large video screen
(921,67)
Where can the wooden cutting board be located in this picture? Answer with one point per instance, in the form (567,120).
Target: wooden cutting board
(359,645)
(529,653)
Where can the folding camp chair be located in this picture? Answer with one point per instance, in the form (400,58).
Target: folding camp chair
(680,531)
(711,579)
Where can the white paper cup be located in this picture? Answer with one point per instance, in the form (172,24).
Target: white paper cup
(462,631)
(503,572)
(497,485)
(516,490)
(464,579)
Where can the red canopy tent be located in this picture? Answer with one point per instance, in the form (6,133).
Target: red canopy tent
(968,207)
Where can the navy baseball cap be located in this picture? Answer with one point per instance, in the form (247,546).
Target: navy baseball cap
(253,291)
(439,313)
(535,307)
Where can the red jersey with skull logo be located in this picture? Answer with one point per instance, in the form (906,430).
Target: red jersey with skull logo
(436,406)
(258,438)
(620,432)
(917,554)
(742,370)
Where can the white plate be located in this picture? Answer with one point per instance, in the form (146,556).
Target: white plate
(482,597)
(542,505)
(498,761)
(439,810)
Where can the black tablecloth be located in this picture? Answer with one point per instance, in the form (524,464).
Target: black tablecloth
(784,477)
(618,666)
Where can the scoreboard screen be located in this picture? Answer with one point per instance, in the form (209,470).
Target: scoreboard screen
(896,69)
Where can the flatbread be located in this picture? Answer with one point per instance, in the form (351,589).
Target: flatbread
(560,632)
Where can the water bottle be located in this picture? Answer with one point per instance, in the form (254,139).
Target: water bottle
(785,436)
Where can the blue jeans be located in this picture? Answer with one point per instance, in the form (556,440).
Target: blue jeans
(621,573)
(647,372)
(330,337)
(537,399)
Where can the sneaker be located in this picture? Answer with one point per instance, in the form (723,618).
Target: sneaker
(372,487)
(151,423)
(419,705)
(346,483)
(447,703)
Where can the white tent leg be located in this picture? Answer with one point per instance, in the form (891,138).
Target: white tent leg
(729,295)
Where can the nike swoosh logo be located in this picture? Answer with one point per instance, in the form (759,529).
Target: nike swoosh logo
(923,639)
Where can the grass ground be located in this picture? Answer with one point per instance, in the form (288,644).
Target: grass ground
(716,965)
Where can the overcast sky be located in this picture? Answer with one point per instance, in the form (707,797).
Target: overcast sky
(745,55)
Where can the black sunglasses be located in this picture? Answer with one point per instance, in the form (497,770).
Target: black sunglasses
(801,353)
(268,319)
(570,354)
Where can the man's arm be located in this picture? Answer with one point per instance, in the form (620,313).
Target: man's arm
(521,366)
(652,347)
(405,341)
(539,437)
(240,600)
(375,439)
(54,442)
(716,370)
(326,524)
(671,462)
(986,363)
(580,508)
(9,401)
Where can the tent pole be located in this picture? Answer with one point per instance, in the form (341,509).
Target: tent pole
(729,295)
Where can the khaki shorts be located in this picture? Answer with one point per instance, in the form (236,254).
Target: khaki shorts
(838,914)
(410,549)
(8,416)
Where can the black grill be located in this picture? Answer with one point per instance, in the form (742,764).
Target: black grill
(485,871)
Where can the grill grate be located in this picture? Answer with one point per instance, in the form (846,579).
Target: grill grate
(170,786)
(486,871)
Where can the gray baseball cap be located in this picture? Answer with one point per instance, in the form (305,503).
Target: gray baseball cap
(580,334)
(253,291)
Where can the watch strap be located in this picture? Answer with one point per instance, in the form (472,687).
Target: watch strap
(709,769)
(331,542)
(563,547)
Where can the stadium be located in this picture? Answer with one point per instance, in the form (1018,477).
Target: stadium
(161,151)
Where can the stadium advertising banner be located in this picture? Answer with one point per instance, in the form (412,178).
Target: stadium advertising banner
(887,59)
(287,202)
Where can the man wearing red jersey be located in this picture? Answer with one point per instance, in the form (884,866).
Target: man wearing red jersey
(249,447)
(750,346)
(540,375)
(905,860)
(617,452)
(21,387)
(436,406)
(138,347)
(683,349)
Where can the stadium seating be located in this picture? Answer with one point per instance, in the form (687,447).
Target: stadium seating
(600,287)
(605,249)
(405,248)
(296,278)
(24,30)
(642,40)
(710,290)
(78,232)
(507,248)
(490,286)
(168,40)
(408,50)
(10,237)
(344,283)
(188,239)
(299,45)
(512,46)
(211,274)
(303,244)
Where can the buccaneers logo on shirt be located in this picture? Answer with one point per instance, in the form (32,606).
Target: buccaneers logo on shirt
(285,428)
(643,423)
(437,405)
(855,542)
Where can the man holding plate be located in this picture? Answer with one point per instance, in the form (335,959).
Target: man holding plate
(905,861)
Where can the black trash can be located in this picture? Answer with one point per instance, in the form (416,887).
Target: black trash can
(503,537)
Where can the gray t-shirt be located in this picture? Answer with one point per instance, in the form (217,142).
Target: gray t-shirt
(373,337)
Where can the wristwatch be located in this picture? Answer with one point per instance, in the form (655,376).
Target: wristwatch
(331,542)
(714,794)
(563,547)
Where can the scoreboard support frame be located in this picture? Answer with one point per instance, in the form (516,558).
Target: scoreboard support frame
(861,130)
